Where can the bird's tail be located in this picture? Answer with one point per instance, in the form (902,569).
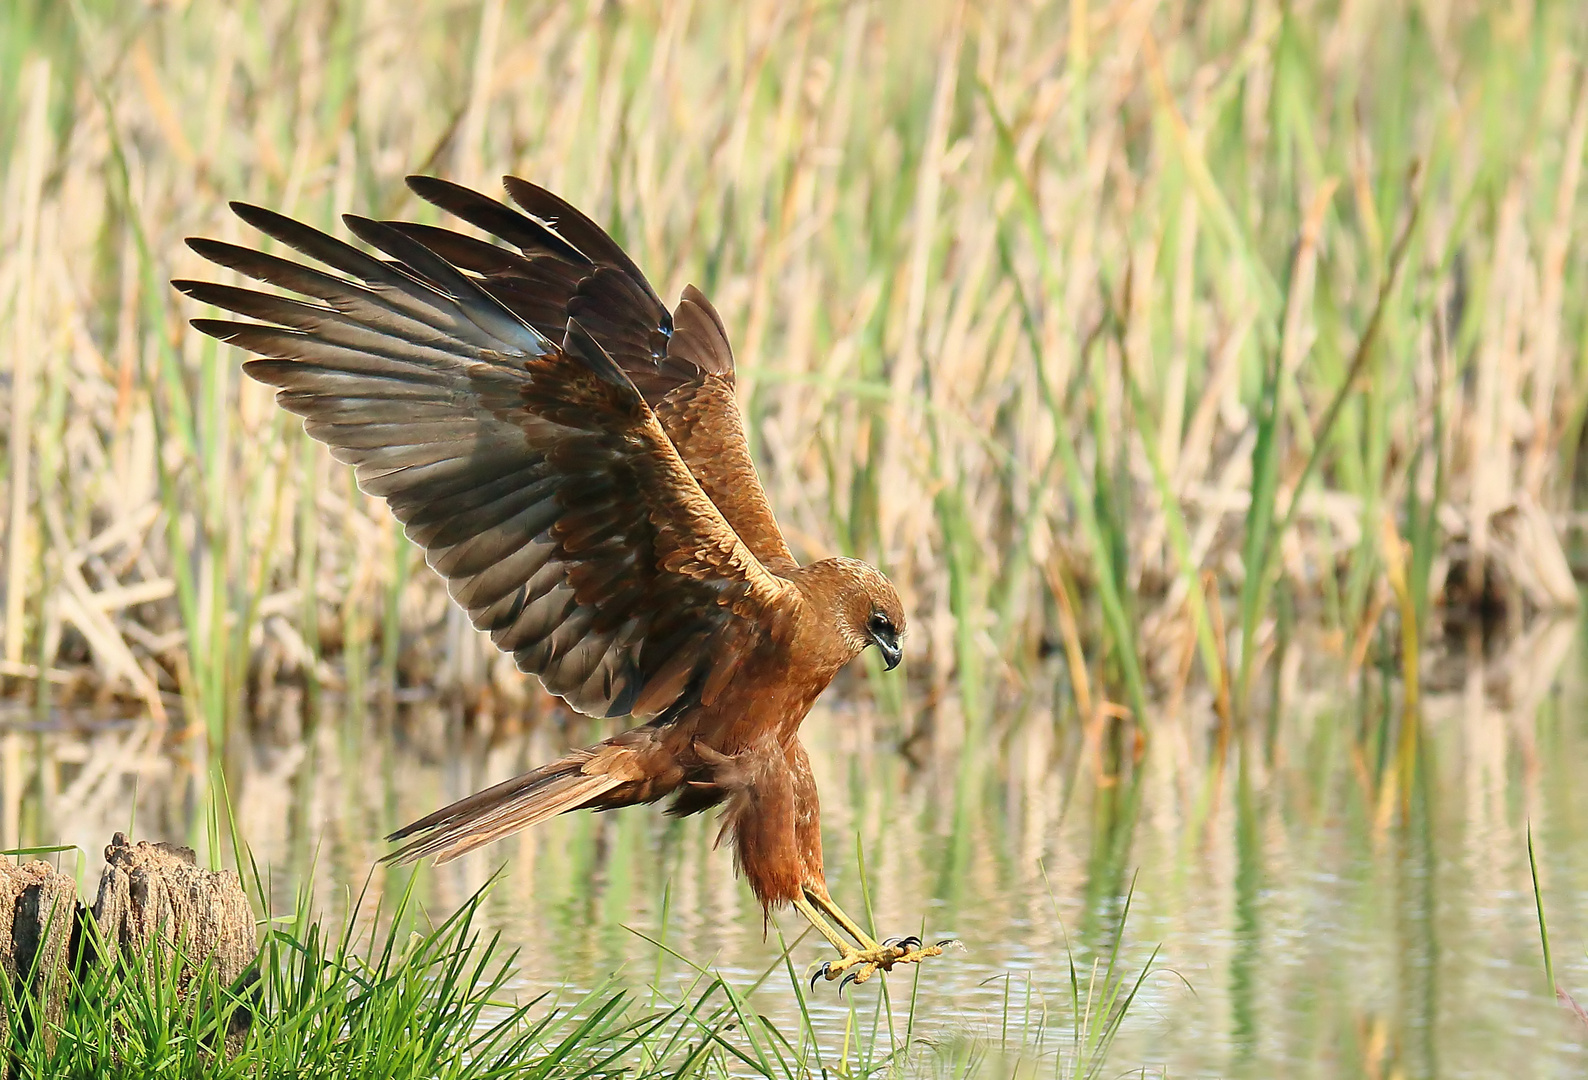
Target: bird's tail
(579,779)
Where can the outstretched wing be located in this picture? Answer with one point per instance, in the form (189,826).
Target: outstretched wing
(567,266)
(533,474)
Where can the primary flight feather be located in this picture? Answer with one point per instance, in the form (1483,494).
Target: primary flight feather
(571,457)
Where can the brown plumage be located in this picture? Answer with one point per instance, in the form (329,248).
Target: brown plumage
(571,458)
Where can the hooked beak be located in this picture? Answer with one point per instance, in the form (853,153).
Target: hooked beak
(891,652)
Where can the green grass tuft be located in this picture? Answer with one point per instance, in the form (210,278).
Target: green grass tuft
(408,1000)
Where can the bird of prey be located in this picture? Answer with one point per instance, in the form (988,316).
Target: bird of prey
(570,456)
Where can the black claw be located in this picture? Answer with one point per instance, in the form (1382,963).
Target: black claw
(908,942)
(947,942)
(849,977)
(821,972)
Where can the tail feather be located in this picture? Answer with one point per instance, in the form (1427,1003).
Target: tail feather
(505,808)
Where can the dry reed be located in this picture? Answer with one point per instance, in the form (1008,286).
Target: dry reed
(1106,297)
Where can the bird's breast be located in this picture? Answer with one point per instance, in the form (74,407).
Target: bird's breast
(766,703)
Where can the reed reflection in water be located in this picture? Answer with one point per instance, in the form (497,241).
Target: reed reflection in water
(1313,922)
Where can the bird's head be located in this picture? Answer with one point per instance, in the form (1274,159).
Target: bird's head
(865,606)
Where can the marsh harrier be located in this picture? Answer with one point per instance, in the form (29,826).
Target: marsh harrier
(570,456)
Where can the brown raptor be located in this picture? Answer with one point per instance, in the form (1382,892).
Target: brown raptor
(571,458)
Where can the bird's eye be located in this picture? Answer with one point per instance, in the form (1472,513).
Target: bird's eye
(879,624)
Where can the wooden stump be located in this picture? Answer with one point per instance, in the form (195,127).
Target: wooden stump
(152,898)
(158,893)
(38,914)
(156,896)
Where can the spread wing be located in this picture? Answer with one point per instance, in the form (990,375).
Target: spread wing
(567,266)
(533,474)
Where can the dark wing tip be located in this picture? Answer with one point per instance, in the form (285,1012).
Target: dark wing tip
(233,299)
(209,249)
(272,371)
(212,292)
(500,220)
(429,188)
(358,225)
(220,329)
(266,221)
(572,226)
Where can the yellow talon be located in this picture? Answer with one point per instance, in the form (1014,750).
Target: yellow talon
(864,963)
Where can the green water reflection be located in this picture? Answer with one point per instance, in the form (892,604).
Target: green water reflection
(1313,921)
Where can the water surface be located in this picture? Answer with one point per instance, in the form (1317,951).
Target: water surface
(1310,920)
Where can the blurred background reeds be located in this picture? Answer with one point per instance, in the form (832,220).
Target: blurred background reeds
(1083,319)
(1197,370)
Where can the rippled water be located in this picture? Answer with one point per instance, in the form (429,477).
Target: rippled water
(1310,920)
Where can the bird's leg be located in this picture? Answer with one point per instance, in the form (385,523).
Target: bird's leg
(824,902)
(862,963)
(823,927)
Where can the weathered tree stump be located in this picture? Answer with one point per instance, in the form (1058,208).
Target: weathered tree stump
(38,914)
(153,899)
(156,896)
(158,893)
